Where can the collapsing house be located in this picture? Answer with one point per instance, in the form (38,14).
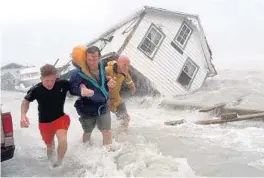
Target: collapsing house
(168,50)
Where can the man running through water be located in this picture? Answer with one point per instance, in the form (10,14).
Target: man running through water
(50,94)
(90,84)
(118,70)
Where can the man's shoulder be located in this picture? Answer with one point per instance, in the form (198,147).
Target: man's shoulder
(35,89)
(36,86)
(61,81)
(74,72)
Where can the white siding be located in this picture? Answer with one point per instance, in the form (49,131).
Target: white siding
(118,39)
(167,63)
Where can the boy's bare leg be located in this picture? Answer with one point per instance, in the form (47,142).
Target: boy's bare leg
(50,150)
(62,146)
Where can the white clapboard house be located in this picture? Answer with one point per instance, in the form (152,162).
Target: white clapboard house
(168,48)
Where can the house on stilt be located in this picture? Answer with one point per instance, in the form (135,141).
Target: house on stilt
(168,49)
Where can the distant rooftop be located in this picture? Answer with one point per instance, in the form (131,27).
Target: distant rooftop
(12,66)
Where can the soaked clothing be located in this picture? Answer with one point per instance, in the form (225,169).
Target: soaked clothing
(95,105)
(103,122)
(114,95)
(50,102)
(48,130)
(121,111)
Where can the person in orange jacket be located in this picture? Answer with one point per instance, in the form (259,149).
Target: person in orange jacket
(118,70)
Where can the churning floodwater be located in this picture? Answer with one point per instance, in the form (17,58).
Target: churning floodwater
(150,148)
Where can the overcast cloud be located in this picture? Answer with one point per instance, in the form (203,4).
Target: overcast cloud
(36,32)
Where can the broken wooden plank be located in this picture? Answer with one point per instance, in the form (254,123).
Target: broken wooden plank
(240,111)
(177,122)
(214,120)
(210,108)
(56,62)
(251,116)
(221,105)
(181,105)
(219,120)
(228,116)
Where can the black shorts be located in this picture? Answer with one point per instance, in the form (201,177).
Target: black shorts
(121,111)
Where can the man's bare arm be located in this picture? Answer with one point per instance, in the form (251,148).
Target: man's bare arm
(24,107)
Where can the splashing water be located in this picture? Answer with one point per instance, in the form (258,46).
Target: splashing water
(150,148)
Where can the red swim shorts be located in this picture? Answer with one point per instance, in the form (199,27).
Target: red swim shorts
(48,130)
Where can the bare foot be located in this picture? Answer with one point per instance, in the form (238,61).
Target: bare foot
(112,147)
(51,155)
(57,164)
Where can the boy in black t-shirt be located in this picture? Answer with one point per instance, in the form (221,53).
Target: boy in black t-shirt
(50,94)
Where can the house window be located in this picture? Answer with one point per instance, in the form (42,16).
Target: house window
(188,73)
(151,42)
(183,35)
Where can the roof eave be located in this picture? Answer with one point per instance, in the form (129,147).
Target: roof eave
(170,12)
(118,25)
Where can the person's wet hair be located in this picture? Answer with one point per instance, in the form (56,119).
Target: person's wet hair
(93,49)
(48,70)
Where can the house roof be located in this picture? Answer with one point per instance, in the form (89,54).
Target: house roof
(147,9)
(135,15)
(161,10)
(12,66)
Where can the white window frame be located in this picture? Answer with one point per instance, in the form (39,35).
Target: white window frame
(181,34)
(157,46)
(189,61)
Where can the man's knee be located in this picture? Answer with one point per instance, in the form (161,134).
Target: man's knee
(107,132)
(62,140)
(87,135)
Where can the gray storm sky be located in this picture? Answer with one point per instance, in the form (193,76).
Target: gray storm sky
(36,32)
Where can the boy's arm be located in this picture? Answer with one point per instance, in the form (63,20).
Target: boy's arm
(30,97)
(24,107)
